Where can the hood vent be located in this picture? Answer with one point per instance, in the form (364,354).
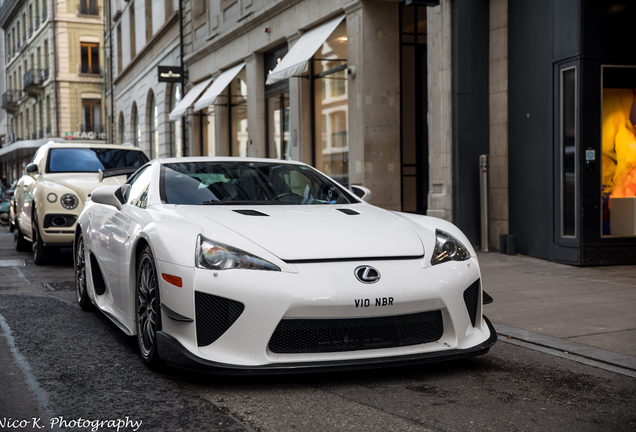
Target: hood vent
(250,213)
(348,211)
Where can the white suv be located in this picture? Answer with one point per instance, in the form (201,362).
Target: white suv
(51,194)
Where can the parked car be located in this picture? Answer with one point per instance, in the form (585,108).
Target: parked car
(256,265)
(52,193)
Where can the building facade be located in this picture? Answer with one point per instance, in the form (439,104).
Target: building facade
(54,76)
(403,97)
(144,35)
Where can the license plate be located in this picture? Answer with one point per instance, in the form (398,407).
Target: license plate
(361,303)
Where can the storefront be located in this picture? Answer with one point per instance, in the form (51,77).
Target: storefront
(573,150)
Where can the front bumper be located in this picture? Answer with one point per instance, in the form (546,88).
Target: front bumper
(325,291)
(178,356)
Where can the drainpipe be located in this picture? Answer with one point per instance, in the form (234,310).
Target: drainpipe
(184,129)
(111,137)
(54,72)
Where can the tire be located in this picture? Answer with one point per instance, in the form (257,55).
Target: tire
(4,219)
(80,276)
(40,252)
(19,242)
(148,314)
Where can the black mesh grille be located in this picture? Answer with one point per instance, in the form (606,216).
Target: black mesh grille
(250,212)
(471,298)
(214,315)
(59,221)
(294,336)
(348,211)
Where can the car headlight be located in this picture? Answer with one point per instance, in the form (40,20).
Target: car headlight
(448,248)
(218,256)
(69,201)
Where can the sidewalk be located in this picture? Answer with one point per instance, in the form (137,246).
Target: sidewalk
(584,307)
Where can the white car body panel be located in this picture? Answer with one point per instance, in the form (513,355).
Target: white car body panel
(297,239)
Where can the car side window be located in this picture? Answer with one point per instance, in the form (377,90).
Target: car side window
(138,192)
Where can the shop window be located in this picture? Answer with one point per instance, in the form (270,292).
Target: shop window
(277,107)
(122,128)
(238,115)
(153,125)
(89,53)
(175,142)
(619,151)
(91,116)
(331,106)
(136,129)
(568,152)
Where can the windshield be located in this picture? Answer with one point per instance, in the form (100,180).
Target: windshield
(201,183)
(93,159)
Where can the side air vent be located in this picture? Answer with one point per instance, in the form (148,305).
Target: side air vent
(471,298)
(214,316)
(250,213)
(348,211)
(98,279)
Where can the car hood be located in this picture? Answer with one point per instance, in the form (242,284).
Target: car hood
(84,183)
(320,232)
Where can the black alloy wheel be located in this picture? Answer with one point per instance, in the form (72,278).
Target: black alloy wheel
(39,250)
(80,275)
(19,242)
(147,306)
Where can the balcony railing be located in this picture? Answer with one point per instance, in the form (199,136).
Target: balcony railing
(89,69)
(10,99)
(92,128)
(35,78)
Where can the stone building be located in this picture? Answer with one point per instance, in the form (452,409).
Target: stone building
(54,76)
(143,35)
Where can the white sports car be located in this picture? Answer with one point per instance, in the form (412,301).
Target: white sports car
(256,265)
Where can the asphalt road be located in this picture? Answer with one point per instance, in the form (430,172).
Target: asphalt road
(59,362)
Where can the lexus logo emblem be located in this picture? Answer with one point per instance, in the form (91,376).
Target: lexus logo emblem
(367,274)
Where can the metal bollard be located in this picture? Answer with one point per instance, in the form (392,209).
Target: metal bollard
(483,192)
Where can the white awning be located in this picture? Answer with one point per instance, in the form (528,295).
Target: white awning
(217,87)
(189,99)
(295,62)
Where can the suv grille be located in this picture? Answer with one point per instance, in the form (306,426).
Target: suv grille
(214,316)
(294,336)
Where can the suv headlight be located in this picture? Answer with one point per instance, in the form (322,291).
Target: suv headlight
(448,248)
(69,201)
(214,255)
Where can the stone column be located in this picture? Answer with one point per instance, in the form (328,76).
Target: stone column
(255,74)
(498,97)
(440,118)
(374,95)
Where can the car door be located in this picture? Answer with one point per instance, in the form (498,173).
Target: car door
(122,229)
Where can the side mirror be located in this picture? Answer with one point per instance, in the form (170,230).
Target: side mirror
(109,195)
(31,169)
(361,192)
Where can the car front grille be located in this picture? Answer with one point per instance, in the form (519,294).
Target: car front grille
(214,316)
(294,336)
(471,298)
